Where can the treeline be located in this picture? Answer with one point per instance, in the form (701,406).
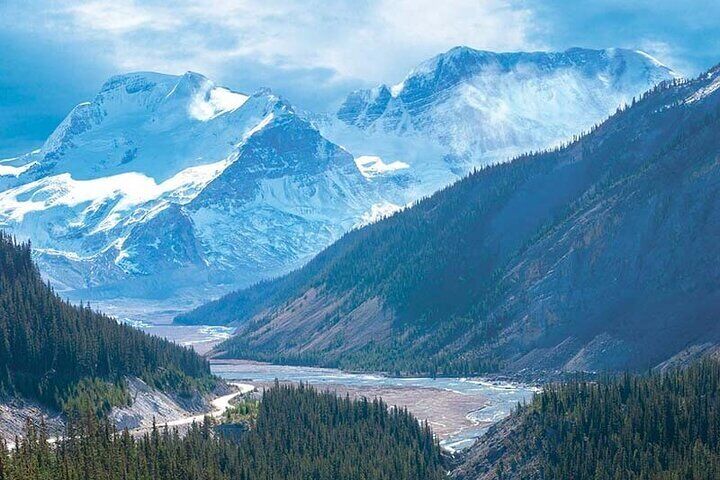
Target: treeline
(67,356)
(660,426)
(299,434)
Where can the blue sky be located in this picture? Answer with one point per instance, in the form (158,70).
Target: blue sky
(55,54)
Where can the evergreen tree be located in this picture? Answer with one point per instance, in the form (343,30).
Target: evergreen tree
(73,357)
(661,426)
(299,434)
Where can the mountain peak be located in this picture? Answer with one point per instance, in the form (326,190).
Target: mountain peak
(194,76)
(148,122)
(461,51)
(139,182)
(191,83)
(465,61)
(137,81)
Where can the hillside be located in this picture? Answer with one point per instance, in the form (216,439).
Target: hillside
(660,426)
(598,255)
(70,357)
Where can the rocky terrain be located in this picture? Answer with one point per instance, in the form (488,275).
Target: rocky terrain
(148,405)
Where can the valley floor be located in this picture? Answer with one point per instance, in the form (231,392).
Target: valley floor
(458,410)
(449,413)
(155,317)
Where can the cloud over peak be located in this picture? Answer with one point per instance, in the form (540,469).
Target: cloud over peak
(56,53)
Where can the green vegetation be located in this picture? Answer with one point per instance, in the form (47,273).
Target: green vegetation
(299,434)
(96,396)
(246,410)
(73,357)
(659,426)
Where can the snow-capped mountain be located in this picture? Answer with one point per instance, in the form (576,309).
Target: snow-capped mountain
(166,183)
(163,182)
(468,108)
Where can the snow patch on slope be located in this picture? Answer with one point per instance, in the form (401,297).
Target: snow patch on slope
(129,189)
(378,212)
(263,123)
(705,91)
(207,105)
(10,171)
(371,166)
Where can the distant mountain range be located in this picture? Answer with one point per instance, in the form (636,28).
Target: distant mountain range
(167,186)
(165,182)
(600,255)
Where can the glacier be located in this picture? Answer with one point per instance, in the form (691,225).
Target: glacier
(167,187)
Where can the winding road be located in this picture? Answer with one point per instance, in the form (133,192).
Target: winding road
(220,404)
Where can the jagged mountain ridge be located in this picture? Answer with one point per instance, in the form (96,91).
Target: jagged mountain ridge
(169,185)
(595,256)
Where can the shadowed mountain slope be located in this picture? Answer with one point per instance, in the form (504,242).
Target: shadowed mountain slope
(597,255)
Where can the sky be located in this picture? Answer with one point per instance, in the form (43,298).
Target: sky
(55,54)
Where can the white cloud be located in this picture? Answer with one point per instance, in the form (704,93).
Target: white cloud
(56,53)
(668,54)
(120,16)
(376,40)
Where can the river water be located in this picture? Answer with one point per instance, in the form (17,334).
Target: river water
(458,409)
(484,402)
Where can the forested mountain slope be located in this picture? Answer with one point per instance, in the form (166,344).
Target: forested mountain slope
(68,356)
(661,426)
(598,255)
